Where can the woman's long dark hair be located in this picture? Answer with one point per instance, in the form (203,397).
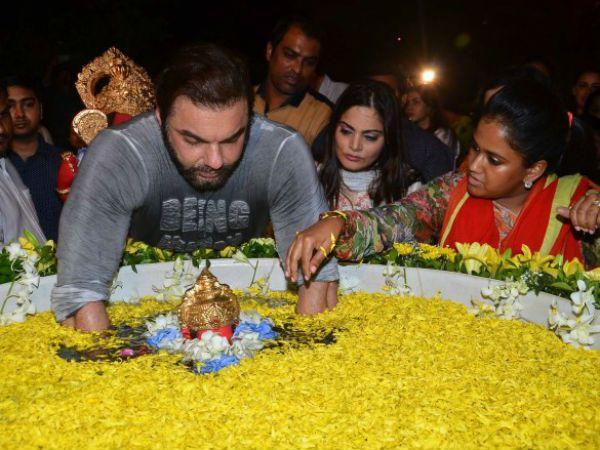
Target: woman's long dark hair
(391,184)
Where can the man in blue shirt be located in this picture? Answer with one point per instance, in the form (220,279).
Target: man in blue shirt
(36,161)
(17,212)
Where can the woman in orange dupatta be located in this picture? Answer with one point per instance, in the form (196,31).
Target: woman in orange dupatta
(508,197)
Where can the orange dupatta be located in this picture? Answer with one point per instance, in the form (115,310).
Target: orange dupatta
(469,219)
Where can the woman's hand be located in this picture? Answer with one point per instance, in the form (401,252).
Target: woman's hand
(312,246)
(585,214)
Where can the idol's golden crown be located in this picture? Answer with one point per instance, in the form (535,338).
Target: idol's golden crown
(208,304)
(114,83)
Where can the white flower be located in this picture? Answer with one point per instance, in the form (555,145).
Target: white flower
(482,309)
(253,317)
(575,331)
(246,344)
(395,280)
(582,298)
(171,345)
(176,282)
(178,265)
(20,312)
(487,292)
(15,251)
(29,279)
(581,335)
(216,344)
(556,319)
(510,309)
(505,298)
(195,350)
(162,321)
(240,257)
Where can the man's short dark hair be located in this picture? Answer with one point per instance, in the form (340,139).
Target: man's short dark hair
(207,74)
(306,25)
(23,81)
(385,66)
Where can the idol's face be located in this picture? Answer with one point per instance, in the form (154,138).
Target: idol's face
(205,143)
(496,171)
(25,110)
(5,124)
(359,138)
(587,83)
(293,62)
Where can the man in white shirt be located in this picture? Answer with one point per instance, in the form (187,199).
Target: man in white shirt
(17,212)
(329,88)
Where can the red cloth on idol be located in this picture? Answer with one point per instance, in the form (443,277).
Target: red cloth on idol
(68,167)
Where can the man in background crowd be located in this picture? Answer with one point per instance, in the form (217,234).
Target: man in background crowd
(17,212)
(285,96)
(327,87)
(36,161)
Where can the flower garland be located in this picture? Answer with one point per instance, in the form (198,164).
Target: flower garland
(211,352)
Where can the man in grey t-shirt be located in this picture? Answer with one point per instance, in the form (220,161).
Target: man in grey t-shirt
(200,171)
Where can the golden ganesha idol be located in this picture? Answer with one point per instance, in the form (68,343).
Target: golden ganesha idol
(209,305)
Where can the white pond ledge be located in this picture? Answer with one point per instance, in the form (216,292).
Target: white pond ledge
(456,287)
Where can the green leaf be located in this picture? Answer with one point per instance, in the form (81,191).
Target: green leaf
(31,238)
(562,285)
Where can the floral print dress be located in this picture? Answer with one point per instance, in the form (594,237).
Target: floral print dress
(420,217)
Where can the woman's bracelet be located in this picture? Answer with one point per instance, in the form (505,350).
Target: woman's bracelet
(328,214)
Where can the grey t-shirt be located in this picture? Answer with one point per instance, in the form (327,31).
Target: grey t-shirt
(128,185)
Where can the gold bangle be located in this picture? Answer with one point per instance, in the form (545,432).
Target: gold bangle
(328,214)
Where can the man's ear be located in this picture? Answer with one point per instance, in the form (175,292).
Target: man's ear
(269,51)
(536,170)
(157,114)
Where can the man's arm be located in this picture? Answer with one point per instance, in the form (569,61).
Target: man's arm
(111,183)
(296,199)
